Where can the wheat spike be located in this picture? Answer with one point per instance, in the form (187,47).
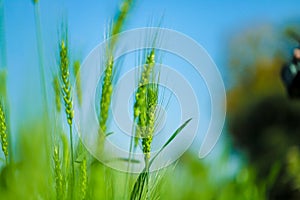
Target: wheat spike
(66,86)
(3,132)
(107,88)
(59,182)
(83,179)
(140,105)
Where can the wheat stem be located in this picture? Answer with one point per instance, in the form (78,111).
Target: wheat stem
(146,99)
(72,160)
(107,85)
(144,116)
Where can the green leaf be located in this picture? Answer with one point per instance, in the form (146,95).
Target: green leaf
(108,134)
(171,139)
(139,185)
(134,161)
(80,158)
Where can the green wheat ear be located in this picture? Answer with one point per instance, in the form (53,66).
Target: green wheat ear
(66,86)
(35,1)
(107,84)
(83,178)
(107,88)
(59,182)
(152,101)
(3,132)
(120,19)
(140,105)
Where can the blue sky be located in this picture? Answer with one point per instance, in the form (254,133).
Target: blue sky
(210,23)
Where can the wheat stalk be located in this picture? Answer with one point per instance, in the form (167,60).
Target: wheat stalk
(142,182)
(107,85)
(67,98)
(120,19)
(146,98)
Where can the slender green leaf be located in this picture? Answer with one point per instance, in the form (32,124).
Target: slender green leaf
(127,160)
(108,134)
(171,138)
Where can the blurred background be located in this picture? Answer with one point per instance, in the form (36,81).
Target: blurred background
(258,155)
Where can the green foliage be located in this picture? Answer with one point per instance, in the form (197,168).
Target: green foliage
(293,166)
(30,175)
(139,186)
(192,179)
(262,120)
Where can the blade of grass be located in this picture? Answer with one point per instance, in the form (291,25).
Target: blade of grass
(171,139)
